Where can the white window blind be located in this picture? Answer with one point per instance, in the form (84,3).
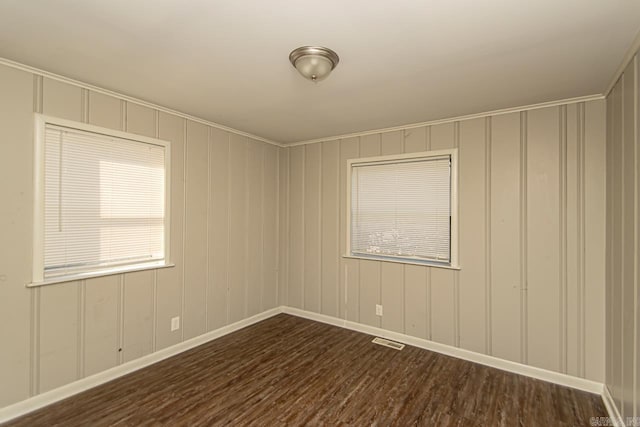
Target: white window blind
(402,209)
(104,201)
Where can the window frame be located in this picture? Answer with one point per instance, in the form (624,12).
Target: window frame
(40,123)
(398,158)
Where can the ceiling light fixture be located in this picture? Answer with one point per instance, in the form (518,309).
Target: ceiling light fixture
(314,62)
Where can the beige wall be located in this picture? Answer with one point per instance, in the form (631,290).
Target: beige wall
(623,255)
(532,233)
(224,243)
(531,288)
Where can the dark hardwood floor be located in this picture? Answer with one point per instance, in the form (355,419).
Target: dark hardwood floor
(291,371)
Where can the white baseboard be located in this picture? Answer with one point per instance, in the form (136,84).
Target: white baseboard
(36,402)
(612,409)
(483,359)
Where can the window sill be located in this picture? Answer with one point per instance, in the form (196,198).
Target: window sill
(101,273)
(402,261)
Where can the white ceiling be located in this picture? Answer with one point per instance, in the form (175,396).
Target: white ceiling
(400,62)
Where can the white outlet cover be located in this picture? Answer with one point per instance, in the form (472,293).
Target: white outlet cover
(378,310)
(175,324)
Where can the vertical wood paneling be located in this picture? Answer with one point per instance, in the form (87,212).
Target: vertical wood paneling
(456,274)
(525,217)
(370,145)
(121,284)
(415,140)
(138,315)
(154,296)
(195,256)
(104,111)
(392,143)
(255,276)
(330,203)
(217,294)
(61,100)
(392,283)
(487,234)
(636,356)
(392,300)
(140,120)
(622,237)
(207,232)
(138,310)
(562,232)
(594,214)
(524,242)
(610,273)
(101,324)
(573,234)
(16,186)
(415,301)
(34,327)
(443,320)
(312,239)
(369,284)
(472,198)
(102,299)
(58,335)
(416,307)
(169,280)
(609,244)
(65,331)
(237,227)
(615,381)
(349,268)
(284,168)
(296,227)
(59,305)
(628,237)
(505,236)
(543,231)
(269,250)
(101,340)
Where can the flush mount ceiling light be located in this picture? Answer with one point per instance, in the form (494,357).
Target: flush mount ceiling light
(314,62)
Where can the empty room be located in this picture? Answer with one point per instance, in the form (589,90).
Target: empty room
(218,212)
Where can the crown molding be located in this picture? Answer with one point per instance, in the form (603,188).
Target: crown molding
(93,88)
(455,119)
(83,85)
(628,57)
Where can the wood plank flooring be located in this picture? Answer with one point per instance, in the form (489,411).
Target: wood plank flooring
(291,371)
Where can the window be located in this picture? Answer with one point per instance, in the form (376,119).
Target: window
(101,201)
(403,208)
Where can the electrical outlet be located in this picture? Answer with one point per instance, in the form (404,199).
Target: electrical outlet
(175,323)
(378,310)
